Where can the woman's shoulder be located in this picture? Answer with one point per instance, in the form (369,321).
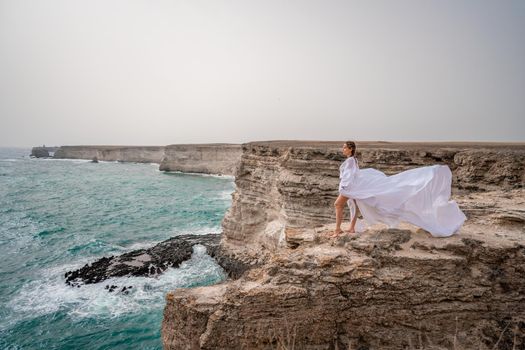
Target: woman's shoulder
(350,161)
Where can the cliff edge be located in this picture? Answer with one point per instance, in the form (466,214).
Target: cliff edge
(380,288)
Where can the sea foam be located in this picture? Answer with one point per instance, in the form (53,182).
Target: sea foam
(50,294)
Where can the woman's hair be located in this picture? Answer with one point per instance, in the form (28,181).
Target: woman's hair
(352,146)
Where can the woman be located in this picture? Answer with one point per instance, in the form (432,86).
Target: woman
(420,196)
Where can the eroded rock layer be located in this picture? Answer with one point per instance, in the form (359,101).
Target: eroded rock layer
(386,289)
(204,158)
(378,289)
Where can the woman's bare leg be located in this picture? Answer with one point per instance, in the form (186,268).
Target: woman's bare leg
(340,204)
(354,219)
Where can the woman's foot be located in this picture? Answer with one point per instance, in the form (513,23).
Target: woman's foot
(352,230)
(336,233)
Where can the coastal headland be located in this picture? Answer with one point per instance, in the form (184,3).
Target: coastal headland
(215,158)
(291,286)
(43,151)
(382,288)
(137,154)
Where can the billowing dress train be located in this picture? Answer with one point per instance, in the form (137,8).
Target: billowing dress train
(420,196)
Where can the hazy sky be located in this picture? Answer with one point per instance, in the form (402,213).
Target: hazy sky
(158,72)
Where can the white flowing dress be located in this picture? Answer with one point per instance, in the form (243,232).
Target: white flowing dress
(420,196)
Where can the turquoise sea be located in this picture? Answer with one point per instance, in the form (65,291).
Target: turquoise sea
(57,215)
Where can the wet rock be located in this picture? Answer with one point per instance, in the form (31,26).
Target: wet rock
(143,262)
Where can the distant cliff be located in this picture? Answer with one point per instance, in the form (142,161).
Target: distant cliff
(138,154)
(202,158)
(43,152)
(382,288)
(195,158)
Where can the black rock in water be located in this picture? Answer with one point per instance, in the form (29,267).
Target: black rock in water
(143,262)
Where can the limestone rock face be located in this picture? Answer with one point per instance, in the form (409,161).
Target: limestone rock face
(284,185)
(386,289)
(137,154)
(220,159)
(502,169)
(381,288)
(204,158)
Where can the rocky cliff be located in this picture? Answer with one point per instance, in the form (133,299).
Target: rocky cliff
(204,158)
(290,185)
(138,154)
(194,158)
(381,288)
(43,152)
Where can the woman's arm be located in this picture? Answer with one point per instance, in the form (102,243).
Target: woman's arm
(348,171)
